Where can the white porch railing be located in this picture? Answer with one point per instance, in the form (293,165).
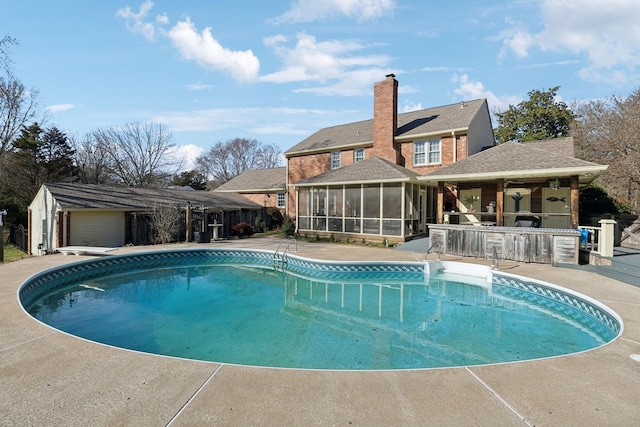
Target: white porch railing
(600,239)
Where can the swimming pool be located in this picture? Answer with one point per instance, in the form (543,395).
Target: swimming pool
(248,307)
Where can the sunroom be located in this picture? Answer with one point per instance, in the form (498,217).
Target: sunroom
(372,199)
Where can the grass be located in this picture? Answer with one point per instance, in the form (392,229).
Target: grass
(11,253)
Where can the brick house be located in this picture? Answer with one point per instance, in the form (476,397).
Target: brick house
(266,187)
(391,176)
(361,179)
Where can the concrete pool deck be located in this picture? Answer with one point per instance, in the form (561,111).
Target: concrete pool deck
(50,378)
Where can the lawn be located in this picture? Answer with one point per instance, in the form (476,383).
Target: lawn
(11,253)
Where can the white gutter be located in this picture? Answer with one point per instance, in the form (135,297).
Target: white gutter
(329,148)
(430,134)
(533,173)
(455,146)
(374,181)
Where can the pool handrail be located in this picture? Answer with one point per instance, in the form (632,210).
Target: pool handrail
(434,244)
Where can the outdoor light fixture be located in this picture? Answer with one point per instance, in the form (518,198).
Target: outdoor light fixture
(555,184)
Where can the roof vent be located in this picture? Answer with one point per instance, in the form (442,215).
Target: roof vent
(462,104)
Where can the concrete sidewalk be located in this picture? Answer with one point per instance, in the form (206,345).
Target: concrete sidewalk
(50,378)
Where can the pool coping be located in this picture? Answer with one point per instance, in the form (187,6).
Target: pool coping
(49,377)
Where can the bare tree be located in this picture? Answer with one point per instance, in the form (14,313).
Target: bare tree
(166,222)
(93,161)
(606,131)
(141,155)
(226,160)
(18,106)
(5,60)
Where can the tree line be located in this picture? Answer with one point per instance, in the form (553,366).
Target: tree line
(143,154)
(133,154)
(605,131)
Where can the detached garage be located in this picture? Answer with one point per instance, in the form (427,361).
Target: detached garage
(93,215)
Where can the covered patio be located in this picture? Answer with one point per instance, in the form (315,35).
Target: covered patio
(533,184)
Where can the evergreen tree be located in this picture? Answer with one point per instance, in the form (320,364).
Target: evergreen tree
(192,178)
(539,117)
(39,156)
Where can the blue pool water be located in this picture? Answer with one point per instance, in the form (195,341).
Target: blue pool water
(240,307)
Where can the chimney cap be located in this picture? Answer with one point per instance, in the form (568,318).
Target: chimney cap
(390,75)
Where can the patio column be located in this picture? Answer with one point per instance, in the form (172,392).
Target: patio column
(499,202)
(439,214)
(575,202)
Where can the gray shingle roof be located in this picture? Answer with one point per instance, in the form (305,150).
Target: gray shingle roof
(257,181)
(430,120)
(371,169)
(78,196)
(515,159)
(562,146)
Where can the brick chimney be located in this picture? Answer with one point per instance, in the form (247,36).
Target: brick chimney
(385,120)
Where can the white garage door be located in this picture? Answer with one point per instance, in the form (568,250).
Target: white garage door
(97,228)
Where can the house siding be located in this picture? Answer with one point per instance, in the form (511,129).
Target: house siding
(480,132)
(43,230)
(97,228)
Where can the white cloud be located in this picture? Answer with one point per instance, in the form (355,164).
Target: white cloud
(200,47)
(245,118)
(279,129)
(199,86)
(188,154)
(335,63)
(469,90)
(607,34)
(310,59)
(208,52)
(352,83)
(135,22)
(314,10)
(60,107)
(409,107)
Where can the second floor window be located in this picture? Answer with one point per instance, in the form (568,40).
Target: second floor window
(335,160)
(427,152)
(358,154)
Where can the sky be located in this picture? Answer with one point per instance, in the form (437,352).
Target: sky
(278,71)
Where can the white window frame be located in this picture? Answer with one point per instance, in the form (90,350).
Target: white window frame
(419,155)
(358,155)
(434,156)
(427,152)
(281,200)
(335,159)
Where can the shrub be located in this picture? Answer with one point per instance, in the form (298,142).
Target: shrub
(259,225)
(242,229)
(277,220)
(288,228)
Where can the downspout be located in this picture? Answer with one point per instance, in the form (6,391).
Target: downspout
(403,201)
(297,207)
(65,227)
(455,146)
(286,190)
